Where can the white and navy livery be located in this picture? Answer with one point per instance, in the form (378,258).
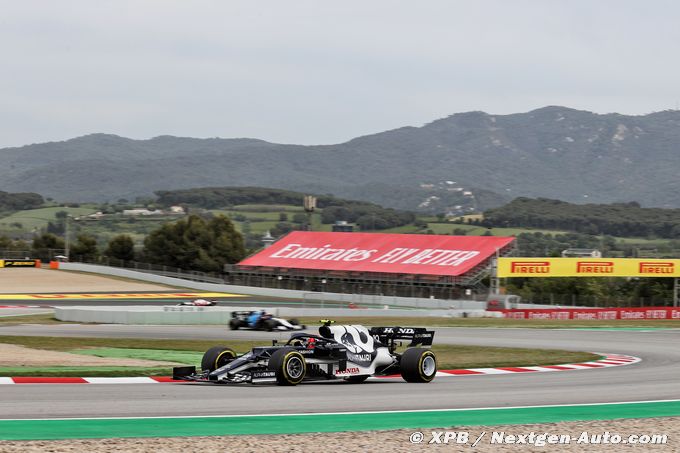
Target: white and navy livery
(348,352)
(262,320)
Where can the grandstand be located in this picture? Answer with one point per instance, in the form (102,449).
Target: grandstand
(406,265)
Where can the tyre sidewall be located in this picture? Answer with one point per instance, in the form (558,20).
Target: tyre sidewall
(279,362)
(412,365)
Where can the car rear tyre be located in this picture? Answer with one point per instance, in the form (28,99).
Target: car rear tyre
(418,365)
(234,324)
(289,365)
(216,357)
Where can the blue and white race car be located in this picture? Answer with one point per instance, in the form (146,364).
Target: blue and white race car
(261,320)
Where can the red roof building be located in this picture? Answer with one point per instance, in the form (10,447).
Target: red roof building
(390,264)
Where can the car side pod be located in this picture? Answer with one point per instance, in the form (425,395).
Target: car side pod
(180,372)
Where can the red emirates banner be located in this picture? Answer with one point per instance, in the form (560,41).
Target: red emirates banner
(595,313)
(378,252)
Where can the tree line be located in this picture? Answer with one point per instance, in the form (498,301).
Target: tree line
(368,216)
(617,219)
(20,201)
(597,291)
(196,243)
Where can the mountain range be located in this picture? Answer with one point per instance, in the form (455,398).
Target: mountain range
(467,160)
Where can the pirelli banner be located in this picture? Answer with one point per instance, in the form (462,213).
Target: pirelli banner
(587,267)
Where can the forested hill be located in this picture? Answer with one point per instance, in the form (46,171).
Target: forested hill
(19,201)
(619,219)
(470,160)
(367,215)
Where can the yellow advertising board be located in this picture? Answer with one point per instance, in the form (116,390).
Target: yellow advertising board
(587,267)
(19,263)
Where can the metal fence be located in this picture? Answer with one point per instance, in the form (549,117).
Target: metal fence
(44,255)
(15,254)
(167,271)
(570,300)
(309,283)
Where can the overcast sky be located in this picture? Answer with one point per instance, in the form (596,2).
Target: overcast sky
(317,72)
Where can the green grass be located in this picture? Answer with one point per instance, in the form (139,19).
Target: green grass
(455,356)
(47,318)
(644,241)
(185,357)
(405,229)
(474,230)
(252,216)
(268,207)
(38,218)
(190,352)
(85,371)
(68,344)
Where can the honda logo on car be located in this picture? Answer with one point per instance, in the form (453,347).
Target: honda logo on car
(353,370)
(530,267)
(399,330)
(594,267)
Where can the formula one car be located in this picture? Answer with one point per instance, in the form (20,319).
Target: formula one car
(261,320)
(199,303)
(351,353)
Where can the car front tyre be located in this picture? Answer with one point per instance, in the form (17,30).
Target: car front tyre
(289,365)
(216,357)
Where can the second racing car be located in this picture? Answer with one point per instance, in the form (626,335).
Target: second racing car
(261,320)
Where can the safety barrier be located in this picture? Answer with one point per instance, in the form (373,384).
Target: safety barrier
(174,315)
(595,313)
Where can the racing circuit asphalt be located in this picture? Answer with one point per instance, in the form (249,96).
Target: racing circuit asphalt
(657,377)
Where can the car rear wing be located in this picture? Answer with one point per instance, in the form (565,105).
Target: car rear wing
(419,336)
(241,313)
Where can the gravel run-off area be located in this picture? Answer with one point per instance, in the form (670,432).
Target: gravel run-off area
(20,356)
(379,441)
(34,281)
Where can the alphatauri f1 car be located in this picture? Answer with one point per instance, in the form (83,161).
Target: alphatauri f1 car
(348,352)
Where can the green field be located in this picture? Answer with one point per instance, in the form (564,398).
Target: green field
(474,230)
(37,218)
(268,208)
(266,218)
(263,218)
